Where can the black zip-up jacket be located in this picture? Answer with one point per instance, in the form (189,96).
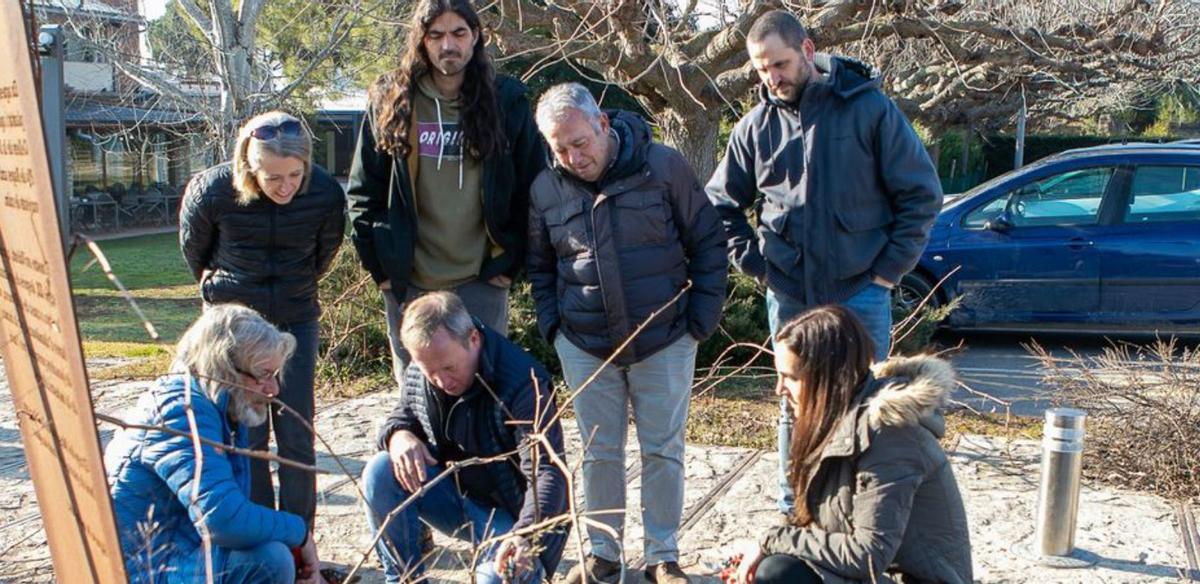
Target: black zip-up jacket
(266,256)
(494,416)
(381,197)
(603,257)
(847,189)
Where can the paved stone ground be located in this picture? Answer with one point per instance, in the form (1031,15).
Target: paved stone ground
(1135,537)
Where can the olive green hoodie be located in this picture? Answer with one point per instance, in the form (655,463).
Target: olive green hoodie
(451,239)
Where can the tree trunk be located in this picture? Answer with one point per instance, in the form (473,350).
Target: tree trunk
(694,134)
(935,151)
(966,148)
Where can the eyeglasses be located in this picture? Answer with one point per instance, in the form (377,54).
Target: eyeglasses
(261,380)
(268,131)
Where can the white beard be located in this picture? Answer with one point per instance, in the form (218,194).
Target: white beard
(247,411)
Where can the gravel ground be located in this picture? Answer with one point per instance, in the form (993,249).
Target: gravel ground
(1133,537)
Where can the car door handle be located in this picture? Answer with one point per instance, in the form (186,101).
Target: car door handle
(1079,243)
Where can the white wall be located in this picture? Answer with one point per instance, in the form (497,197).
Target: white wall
(81,76)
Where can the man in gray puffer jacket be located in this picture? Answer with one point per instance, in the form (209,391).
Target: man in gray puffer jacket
(844,191)
(618,229)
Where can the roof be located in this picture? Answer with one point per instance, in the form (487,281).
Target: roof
(355,102)
(83,112)
(1183,146)
(87,7)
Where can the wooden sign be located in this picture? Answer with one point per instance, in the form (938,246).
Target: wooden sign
(39,336)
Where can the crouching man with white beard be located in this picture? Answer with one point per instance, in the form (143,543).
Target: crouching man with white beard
(167,495)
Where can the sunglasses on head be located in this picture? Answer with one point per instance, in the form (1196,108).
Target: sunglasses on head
(268,131)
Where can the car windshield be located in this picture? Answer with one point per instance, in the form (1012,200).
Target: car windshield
(956,199)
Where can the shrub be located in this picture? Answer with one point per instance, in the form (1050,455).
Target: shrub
(354,353)
(1143,405)
(743,320)
(523,329)
(913,336)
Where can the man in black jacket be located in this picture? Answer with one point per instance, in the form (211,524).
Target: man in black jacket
(439,184)
(848,193)
(621,234)
(469,393)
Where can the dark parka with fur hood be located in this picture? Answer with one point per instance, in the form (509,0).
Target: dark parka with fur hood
(883,496)
(603,257)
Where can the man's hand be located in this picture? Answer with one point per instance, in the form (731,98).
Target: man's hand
(385,285)
(309,570)
(501,281)
(751,556)
(882,282)
(513,555)
(409,457)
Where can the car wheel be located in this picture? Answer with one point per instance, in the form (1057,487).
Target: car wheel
(911,291)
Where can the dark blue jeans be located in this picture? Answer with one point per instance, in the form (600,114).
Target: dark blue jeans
(442,507)
(269,563)
(297,488)
(873,306)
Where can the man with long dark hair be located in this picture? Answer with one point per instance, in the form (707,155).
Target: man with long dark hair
(439,187)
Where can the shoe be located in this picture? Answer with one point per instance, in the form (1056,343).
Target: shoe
(336,575)
(598,570)
(426,540)
(666,573)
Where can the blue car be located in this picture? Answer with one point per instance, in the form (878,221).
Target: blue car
(1100,240)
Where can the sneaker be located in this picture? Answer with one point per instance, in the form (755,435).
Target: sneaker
(598,570)
(666,573)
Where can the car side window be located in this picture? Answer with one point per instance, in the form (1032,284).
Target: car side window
(978,217)
(1164,193)
(1070,198)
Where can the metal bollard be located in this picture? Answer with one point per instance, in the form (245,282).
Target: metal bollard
(1058,496)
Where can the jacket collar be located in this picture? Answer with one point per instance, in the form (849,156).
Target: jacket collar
(228,426)
(902,391)
(840,76)
(633,139)
(488,357)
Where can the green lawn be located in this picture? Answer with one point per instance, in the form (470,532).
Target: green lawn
(153,270)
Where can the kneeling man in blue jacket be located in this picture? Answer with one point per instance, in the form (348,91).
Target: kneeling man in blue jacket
(170,491)
(468,392)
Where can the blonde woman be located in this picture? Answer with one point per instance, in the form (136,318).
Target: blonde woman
(261,231)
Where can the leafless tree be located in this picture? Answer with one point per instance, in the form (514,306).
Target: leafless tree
(946,62)
(238,76)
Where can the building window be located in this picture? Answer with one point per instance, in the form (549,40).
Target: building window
(86,163)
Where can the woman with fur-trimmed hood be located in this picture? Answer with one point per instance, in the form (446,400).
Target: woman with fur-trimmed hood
(876,497)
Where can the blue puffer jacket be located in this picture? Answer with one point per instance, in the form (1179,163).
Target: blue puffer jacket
(150,474)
